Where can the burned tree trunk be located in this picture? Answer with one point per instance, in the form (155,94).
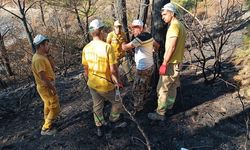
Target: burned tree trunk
(113,11)
(42,12)
(25,24)
(79,19)
(143,13)
(159,28)
(121,15)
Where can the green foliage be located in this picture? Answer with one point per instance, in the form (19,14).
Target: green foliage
(188,4)
(246,38)
(248,3)
(108,23)
(244,51)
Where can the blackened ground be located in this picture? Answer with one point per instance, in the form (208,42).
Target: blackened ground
(205,117)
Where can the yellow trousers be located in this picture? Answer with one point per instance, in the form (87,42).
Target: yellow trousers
(51,106)
(167,88)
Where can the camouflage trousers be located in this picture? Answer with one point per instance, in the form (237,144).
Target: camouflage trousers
(141,87)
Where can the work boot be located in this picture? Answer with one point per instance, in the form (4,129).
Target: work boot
(102,129)
(156,116)
(51,131)
(120,123)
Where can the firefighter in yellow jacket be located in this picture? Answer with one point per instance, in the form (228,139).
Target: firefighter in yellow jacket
(101,72)
(115,39)
(43,71)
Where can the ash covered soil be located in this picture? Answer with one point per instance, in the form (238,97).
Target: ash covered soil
(205,117)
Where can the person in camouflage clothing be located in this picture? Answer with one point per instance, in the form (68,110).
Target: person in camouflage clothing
(144,45)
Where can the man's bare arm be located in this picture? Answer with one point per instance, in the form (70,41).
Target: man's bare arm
(127,46)
(156,45)
(86,71)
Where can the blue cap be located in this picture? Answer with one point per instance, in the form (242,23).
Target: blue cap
(39,39)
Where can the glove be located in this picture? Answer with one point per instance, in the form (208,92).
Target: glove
(163,69)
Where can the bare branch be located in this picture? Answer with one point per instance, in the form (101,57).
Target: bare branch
(24,4)
(32,31)
(15,2)
(138,126)
(4,4)
(11,12)
(136,138)
(5,32)
(31,5)
(211,39)
(189,13)
(21,9)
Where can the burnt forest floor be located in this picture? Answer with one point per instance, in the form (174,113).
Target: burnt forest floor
(205,117)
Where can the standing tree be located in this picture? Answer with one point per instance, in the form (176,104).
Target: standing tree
(210,39)
(143,10)
(85,8)
(121,15)
(42,11)
(3,54)
(88,10)
(23,9)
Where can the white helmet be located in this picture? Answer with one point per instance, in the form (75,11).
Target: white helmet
(137,23)
(39,39)
(95,24)
(170,7)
